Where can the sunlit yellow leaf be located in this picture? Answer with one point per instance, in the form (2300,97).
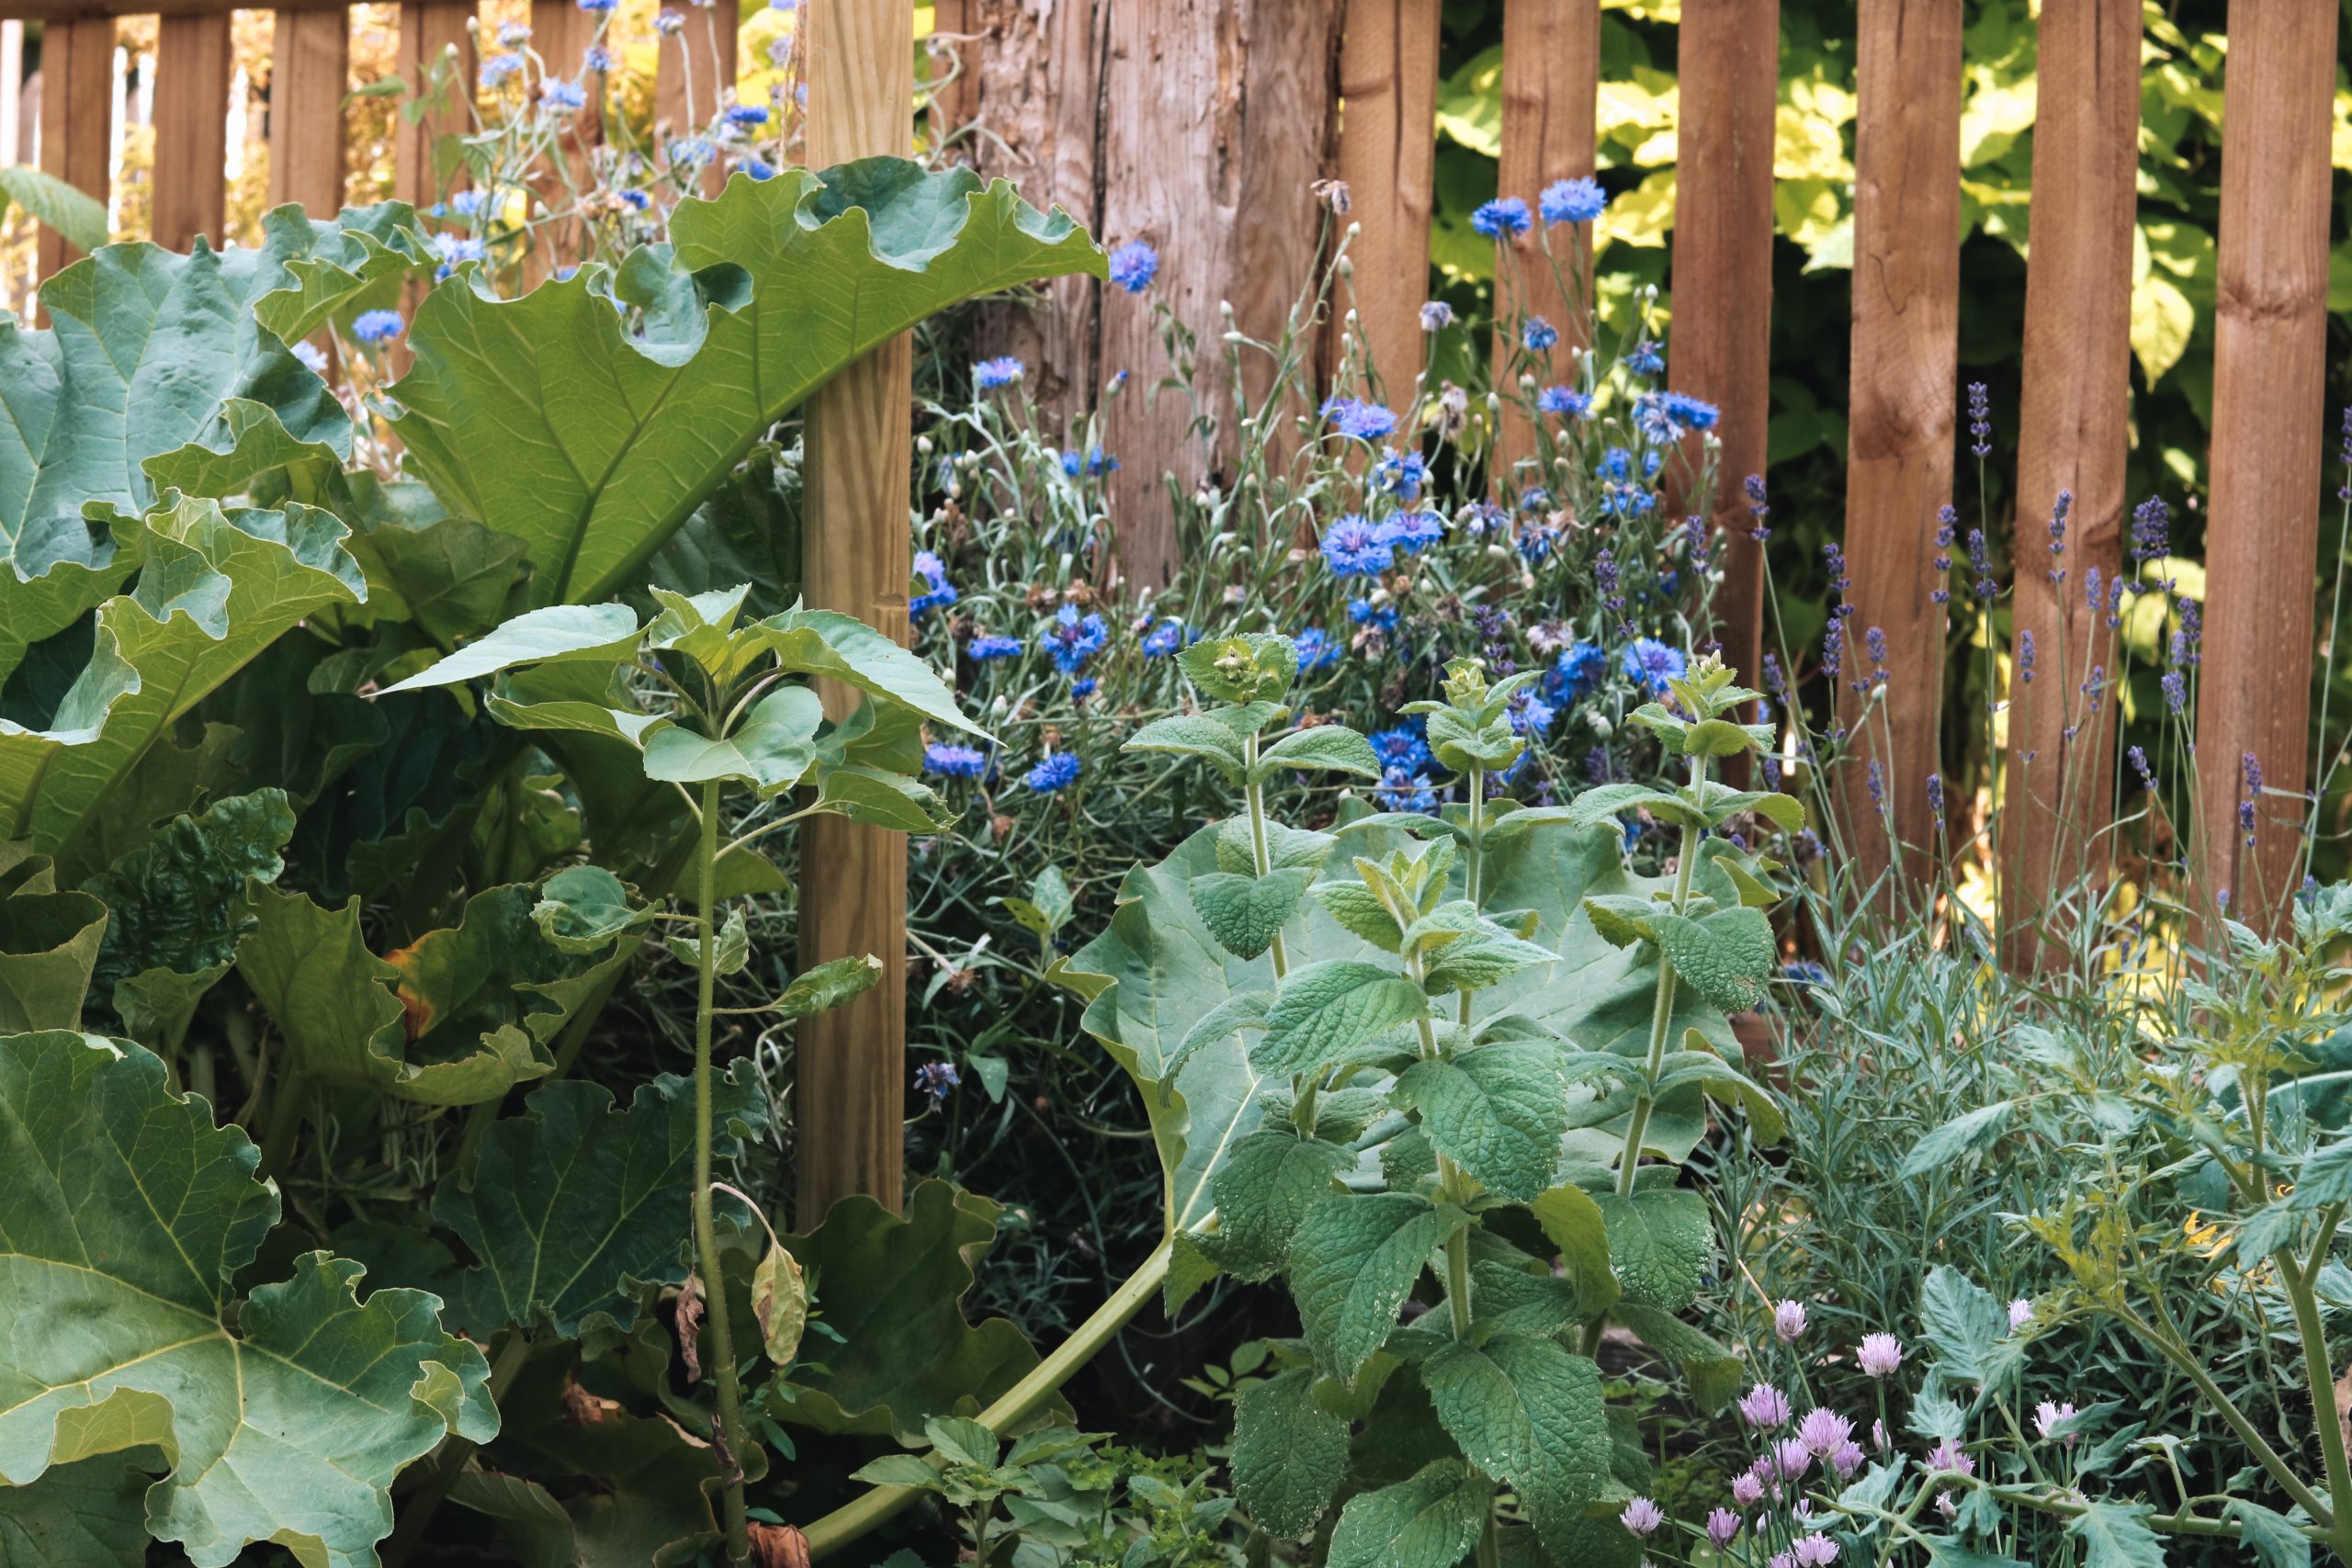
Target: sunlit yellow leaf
(2162,321)
(1640,216)
(1808,147)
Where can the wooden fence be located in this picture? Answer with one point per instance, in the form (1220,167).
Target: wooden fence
(1199,125)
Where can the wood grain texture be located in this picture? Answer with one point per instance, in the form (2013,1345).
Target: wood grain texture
(560,31)
(1216,123)
(191,130)
(1551,83)
(857,552)
(76,109)
(1030,90)
(1388,160)
(1906,352)
(309,75)
(2269,384)
(695,75)
(81,10)
(429,30)
(1720,347)
(2072,418)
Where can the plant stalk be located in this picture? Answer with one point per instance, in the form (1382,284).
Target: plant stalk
(1661,1021)
(714,1282)
(2319,1376)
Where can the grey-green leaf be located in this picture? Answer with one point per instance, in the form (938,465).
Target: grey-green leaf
(1497,1111)
(1427,1521)
(1326,1011)
(1353,1260)
(1660,1241)
(1326,748)
(1289,1454)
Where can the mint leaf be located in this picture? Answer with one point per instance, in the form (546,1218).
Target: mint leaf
(1497,1111)
(1289,1454)
(1429,1521)
(1353,1260)
(1326,1011)
(1267,1185)
(1525,1410)
(1244,913)
(1660,1242)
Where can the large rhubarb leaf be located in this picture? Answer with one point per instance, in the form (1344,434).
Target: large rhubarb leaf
(49,944)
(125,1215)
(217,587)
(592,433)
(86,1514)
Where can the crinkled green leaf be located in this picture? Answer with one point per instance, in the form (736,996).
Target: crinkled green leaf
(1324,1010)
(1353,1260)
(127,1214)
(1661,1241)
(177,902)
(1192,735)
(1358,908)
(1244,912)
(1289,1454)
(573,1204)
(545,417)
(1267,1185)
(1727,954)
(1499,1111)
(1428,1522)
(1526,1411)
(585,908)
(1970,1132)
(1325,748)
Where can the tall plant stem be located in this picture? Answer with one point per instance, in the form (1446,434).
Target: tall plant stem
(1662,1010)
(2319,1376)
(852,1520)
(286,1109)
(714,1282)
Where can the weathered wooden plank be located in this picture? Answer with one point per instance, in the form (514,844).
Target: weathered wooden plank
(2269,383)
(560,31)
(1388,160)
(191,128)
(2073,421)
(1216,120)
(1551,79)
(1720,346)
(79,10)
(77,109)
(694,75)
(431,30)
(1905,356)
(858,556)
(310,71)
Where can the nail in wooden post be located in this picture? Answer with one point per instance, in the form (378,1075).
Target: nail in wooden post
(1388,159)
(192,129)
(309,67)
(1906,357)
(2072,421)
(76,105)
(2269,383)
(858,556)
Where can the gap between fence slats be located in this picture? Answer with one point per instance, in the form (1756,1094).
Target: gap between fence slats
(2269,383)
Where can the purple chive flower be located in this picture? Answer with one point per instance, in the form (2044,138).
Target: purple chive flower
(2020,1314)
(1002,371)
(1580,201)
(1824,1430)
(1788,1321)
(1847,1460)
(2049,1417)
(1642,1516)
(1949,1457)
(1764,1406)
(1814,1552)
(1058,770)
(1791,1459)
(1747,1489)
(1723,1525)
(1133,265)
(1980,419)
(1879,1355)
(1501,218)
(1354,547)
(953,761)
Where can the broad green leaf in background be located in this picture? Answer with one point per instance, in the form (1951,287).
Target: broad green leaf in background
(74,213)
(575,1203)
(125,1214)
(49,944)
(1289,1453)
(545,418)
(87,1514)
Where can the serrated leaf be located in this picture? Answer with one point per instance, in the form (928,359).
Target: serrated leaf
(1268,1183)
(1287,848)
(1482,959)
(1573,1223)
(1660,1241)
(1697,1066)
(1289,1454)
(1190,734)
(573,1204)
(1727,954)
(1526,1411)
(116,1264)
(1969,1329)
(1326,747)
(1604,802)
(1714,1372)
(1244,913)
(2272,1537)
(1353,1260)
(2116,1535)
(1499,1111)
(548,418)
(1970,1132)
(1359,910)
(1428,1522)
(1326,1011)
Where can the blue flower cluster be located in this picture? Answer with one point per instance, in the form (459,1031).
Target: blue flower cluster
(1165,639)
(1058,770)
(377,326)
(1378,618)
(1400,474)
(1573,202)
(1357,547)
(1667,417)
(987,647)
(1361,420)
(941,592)
(1133,265)
(1316,651)
(1092,464)
(1575,675)
(1002,371)
(1563,403)
(1651,663)
(953,761)
(1071,640)
(1503,217)
(1405,746)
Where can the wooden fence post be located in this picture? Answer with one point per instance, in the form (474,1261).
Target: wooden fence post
(1722,344)
(192,129)
(1551,79)
(2270,377)
(858,556)
(1215,121)
(1388,161)
(429,30)
(310,60)
(76,105)
(1905,356)
(2072,421)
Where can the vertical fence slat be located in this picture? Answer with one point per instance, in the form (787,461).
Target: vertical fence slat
(560,31)
(2072,418)
(1905,354)
(694,73)
(857,554)
(2270,381)
(310,62)
(429,30)
(77,99)
(1216,119)
(1388,159)
(191,128)
(1722,344)
(1551,79)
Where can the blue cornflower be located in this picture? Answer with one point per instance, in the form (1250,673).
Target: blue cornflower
(1531,714)
(953,761)
(1364,421)
(1401,474)
(1413,531)
(933,1079)
(1539,336)
(564,95)
(1649,662)
(377,326)
(1501,218)
(757,167)
(1081,690)
(596,57)
(1095,461)
(747,115)
(1057,771)
(1538,537)
(1563,403)
(1133,265)
(1690,412)
(512,35)
(1001,371)
(1316,651)
(1401,791)
(1572,201)
(689,151)
(1405,747)
(1072,639)
(1667,417)
(636,198)
(1575,674)
(1164,639)
(1379,618)
(1436,316)
(312,357)
(928,567)
(466,203)
(454,252)
(1645,360)
(1355,547)
(598,4)
(1616,464)
(499,67)
(987,646)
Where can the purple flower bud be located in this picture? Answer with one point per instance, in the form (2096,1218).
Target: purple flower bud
(1641,1516)
(1723,1525)
(1764,1406)
(1879,1355)
(1788,1321)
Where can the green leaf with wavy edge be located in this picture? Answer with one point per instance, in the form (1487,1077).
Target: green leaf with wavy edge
(1429,1520)
(1355,1257)
(87,1514)
(49,943)
(595,635)
(76,216)
(216,588)
(1527,1412)
(574,1205)
(1289,1453)
(545,418)
(177,902)
(127,1214)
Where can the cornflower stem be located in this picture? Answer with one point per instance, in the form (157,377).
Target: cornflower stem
(1662,1012)
(714,1282)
